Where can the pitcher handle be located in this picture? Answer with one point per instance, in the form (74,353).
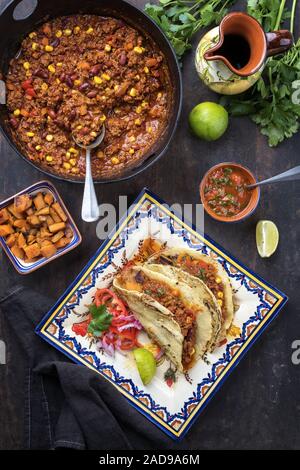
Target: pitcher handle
(279,41)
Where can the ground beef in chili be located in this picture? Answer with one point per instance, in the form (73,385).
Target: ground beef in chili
(75,73)
(185,317)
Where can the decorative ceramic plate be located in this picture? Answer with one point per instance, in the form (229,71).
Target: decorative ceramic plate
(173,409)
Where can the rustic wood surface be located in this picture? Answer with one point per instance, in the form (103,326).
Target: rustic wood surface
(258,406)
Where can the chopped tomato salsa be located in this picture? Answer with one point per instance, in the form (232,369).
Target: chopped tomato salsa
(225,191)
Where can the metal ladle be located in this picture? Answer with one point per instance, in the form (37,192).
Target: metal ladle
(289,175)
(90,209)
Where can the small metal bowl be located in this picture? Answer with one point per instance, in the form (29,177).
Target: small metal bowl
(251,206)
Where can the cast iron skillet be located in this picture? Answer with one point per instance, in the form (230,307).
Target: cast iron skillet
(13,31)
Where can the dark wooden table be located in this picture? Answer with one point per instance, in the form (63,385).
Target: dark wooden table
(259,405)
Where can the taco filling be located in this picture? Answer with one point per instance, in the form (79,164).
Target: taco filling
(196,267)
(170,298)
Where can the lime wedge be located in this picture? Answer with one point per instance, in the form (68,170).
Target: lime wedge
(267,238)
(145,363)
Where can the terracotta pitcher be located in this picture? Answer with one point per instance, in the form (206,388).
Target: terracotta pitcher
(231,58)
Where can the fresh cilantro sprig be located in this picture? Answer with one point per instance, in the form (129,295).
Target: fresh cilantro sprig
(101,320)
(181,19)
(269,102)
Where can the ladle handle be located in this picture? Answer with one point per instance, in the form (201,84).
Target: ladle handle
(279,41)
(90,209)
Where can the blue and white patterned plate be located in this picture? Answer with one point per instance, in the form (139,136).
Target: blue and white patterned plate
(172,409)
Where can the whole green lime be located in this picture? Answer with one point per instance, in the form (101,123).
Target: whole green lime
(208,120)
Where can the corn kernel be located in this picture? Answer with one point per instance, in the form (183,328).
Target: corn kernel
(77,82)
(149,130)
(146,70)
(17,112)
(107,48)
(97,80)
(32,35)
(49,137)
(68,155)
(138,109)
(58,34)
(30,134)
(51,68)
(137,122)
(44,86)
(49,158)
(137,77)
(76,29)
(48,48)
(26,65)
(73,150)
(67,32)
(220,295)
(59,64)
(159,95)
(220,302)
(79,127)
(116,87)
(218,280)
(138,50)
(72,161)
(115,160)
(58,81)
(93,134)
(38,147)
(75,170)
(103,118)
(105,76)
(131,151)
(132,138)
(133,92)
(145,104)
(66,166)
(90,30)
(34,46)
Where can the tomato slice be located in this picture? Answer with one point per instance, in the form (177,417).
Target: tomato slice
(26,84)
(81,328)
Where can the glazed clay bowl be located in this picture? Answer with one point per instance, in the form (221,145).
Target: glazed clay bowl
(253,201)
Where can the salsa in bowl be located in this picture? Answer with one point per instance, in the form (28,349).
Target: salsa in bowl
(224,193)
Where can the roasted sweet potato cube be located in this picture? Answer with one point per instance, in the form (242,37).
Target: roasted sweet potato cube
(43,211)
(32,251)
(14,212)
(54,216)
(49,220)
(30,211)
(11,239)
(48,198)
(59,211)
(46,242)
(57,236)
(30,238)
(4,215)
(21,240)
(57,227)
(17,251)
(39,201)
(69,232)
(21,223)
(34,220)
(22,202)
(5,230)
(48,250)
(62,242)
(45,232)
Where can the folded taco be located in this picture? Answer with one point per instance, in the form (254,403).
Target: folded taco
(183,320)
(207,270)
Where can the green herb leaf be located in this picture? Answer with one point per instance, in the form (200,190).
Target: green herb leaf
(101,319)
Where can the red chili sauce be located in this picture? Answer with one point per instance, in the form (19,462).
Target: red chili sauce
(225,191)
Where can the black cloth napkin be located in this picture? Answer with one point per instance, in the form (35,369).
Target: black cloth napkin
(68,405)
